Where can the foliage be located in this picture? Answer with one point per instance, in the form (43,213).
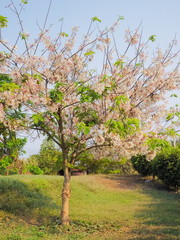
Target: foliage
(123,128)
(4,163)
(3,21)
(155,143)
(153,38)
(10,148)
(96,19)
(47,161)
(167,167)
(24,1)
(142,165)
(34,170)
(92,165)
(10,145)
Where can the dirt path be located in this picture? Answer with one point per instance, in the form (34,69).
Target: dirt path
(129,182)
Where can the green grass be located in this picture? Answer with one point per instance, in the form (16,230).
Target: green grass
(30,206)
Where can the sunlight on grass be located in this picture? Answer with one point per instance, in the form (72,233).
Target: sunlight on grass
(30,207)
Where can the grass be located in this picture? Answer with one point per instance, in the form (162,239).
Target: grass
(101,208)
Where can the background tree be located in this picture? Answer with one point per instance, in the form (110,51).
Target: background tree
(79,108)
(49,158)
(10,145)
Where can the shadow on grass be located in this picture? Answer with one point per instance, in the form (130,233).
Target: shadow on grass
(21,200)
(132,182)
(159,216)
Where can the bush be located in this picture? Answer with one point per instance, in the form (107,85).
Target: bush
(4,163)
(142,165)
(104,165)
(13,171)
(167,167)
(35,170)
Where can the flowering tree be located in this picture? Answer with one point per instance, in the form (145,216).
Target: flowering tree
(56,86)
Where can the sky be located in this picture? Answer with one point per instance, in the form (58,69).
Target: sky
(157,17)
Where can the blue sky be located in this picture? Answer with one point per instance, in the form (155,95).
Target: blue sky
(159,17)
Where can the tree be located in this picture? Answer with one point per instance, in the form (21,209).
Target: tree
(10,145)
(49,158)
(80,108)
(10,148)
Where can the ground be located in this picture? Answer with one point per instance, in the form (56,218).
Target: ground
(102,207)
(130,182)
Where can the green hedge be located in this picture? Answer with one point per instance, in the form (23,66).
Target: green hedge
(142,165)
(166,166)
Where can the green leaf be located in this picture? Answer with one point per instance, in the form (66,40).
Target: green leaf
(5,86)
(171,132)
(3,21)
(177,114)
(56,95)
(123,128)
(63,34)
(37,118)
(133,123)
(24,36)
(96,19)
(37,77)
(119,63)
(169,116)
(89,53)
(121,99)
(88,116)
(24,1)
(15,114)
(138,64)
(87,94)
(120,18)
(155,143)
(82,128)
(174,95)
(152,38)
(4,78)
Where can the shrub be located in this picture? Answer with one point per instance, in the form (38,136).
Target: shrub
(13,171)
(35,170)
(167,167)
(104,165)
(4,163)
(142,165)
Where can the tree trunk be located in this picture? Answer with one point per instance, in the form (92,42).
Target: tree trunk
(65,197)
(66,191)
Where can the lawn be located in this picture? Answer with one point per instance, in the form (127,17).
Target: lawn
(102,207)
